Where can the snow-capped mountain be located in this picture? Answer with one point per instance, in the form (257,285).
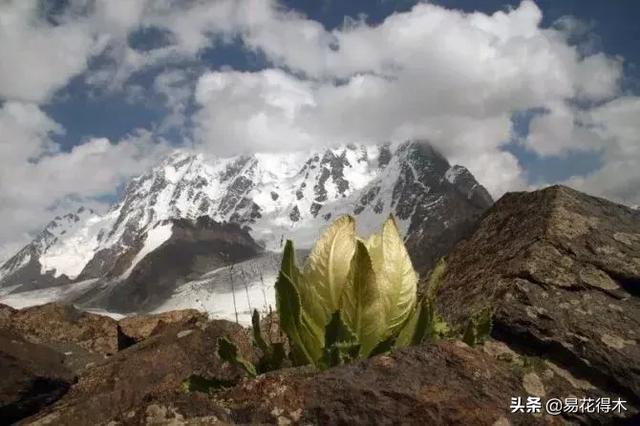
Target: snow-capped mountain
(32,261)
(272,196)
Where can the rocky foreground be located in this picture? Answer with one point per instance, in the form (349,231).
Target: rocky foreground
(560,269)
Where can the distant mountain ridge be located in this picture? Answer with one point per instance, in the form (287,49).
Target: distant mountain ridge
(271,196)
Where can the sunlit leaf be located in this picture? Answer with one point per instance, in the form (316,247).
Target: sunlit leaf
(397,280)
(362,305)
(325,273)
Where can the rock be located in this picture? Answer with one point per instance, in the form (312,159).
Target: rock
(6,312)
(562,271)
(150,370)
(33,376)
(140,327)
(63,324)
(443,383)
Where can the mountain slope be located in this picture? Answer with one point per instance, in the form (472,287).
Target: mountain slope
(272,196)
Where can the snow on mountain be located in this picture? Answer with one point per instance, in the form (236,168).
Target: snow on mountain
(154,239)
(230,290)
(56,248)
(274,196)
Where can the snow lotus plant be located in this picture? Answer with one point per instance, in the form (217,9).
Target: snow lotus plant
(353,298)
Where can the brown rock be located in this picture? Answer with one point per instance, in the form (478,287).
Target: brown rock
(562,271)
(140,327)
(33,376)
(6,312)
(152,369)
(444,383)
(64,324)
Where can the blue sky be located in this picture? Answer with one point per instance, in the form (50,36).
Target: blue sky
(613,29)
(522,93)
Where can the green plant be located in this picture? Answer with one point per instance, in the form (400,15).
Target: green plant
(272,354)
(195,383)
(229,352)
(478,327)
(367,290)
(352,299)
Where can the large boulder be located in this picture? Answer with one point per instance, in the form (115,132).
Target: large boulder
(443,383)
(33,376)
(140,327)
(151,369)
(561,270)
(56,323)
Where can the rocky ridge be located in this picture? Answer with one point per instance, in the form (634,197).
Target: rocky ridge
(561,329)
(562,271)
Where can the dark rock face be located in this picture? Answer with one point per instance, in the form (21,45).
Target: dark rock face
(153,368)
(192,249)
(33,376)
(562,271)
(439,384)
(441,211)
(24,269)
(29,276)
(294,215)
(443,383)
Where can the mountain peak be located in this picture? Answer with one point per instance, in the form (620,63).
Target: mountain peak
(275,196)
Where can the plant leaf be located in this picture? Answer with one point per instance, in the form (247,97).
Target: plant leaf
(384,346)
(257,334)
(435,278)
(229,352)
(337,331)
(469,334)
(405,336)
(341,345)
(483,325)
(278,355)
(325,272)
(397,280)
(361,303)
(300,310)
(289,311)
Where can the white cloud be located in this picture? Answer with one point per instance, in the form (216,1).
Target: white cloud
(616,126)
(39,58)
(431,73)
(251,111)
(37,180)
(176,87)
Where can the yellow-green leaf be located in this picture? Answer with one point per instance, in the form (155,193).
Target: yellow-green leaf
(325,273)
(361,302)
(397,280)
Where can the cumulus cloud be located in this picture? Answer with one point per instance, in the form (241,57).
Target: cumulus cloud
(448,77)
(616,127)
(39,58)
(176,88)
(454,79)
(38,181)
